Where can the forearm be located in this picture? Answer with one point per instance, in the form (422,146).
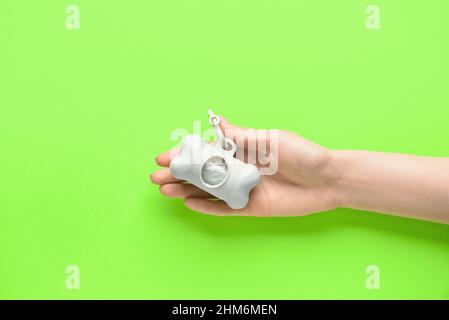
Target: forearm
(412,186)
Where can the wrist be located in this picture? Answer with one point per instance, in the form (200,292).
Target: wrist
(338,164)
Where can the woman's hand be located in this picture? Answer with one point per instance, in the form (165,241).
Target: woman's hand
(309,178)
(303,181)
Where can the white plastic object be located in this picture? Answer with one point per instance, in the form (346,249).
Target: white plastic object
(214,169)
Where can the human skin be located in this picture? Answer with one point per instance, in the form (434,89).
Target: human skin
(311,178)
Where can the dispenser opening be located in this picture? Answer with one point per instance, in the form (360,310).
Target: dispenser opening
(214,171)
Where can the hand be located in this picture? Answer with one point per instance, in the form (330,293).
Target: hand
(303,182)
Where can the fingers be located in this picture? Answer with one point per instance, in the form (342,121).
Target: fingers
(212,207)
(247,138)
(164,158)
(163,176)
(182,190)
(172,187)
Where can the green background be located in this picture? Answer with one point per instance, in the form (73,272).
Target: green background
(83,113)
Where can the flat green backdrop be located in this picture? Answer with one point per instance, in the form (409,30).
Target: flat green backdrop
(83,113)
